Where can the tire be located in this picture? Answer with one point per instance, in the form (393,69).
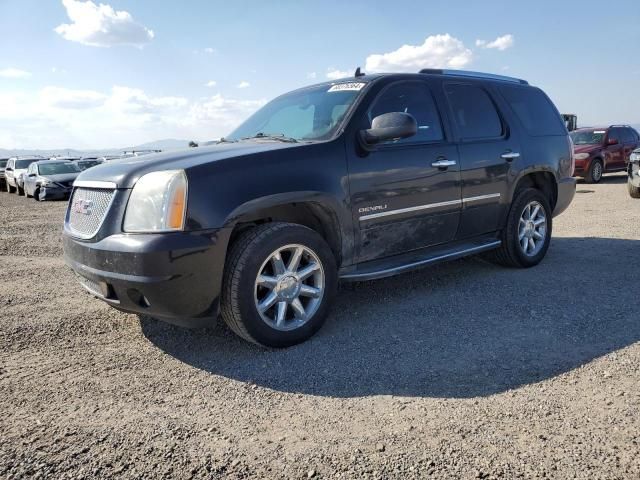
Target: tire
(36,194)
(511,252)
(634,191)
(249,257)
(11,189)
(596,170)
(20,191)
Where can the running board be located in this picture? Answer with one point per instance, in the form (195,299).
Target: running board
(417,259)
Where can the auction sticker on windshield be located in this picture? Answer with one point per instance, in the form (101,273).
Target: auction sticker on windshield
(347,86)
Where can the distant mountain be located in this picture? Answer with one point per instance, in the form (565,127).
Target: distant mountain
(167,144)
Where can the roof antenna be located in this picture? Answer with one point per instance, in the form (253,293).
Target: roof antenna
(359,73)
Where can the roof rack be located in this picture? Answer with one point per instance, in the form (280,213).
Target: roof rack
(619,125)
(468,73)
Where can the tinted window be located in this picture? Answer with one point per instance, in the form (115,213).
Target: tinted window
(3,163)
(627,135)
(534,110)
(414,98)
(473,111)
(614,134)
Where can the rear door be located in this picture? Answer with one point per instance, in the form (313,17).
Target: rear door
(401,198)
(488,150)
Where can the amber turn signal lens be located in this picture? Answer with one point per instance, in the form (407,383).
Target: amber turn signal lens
(177,206)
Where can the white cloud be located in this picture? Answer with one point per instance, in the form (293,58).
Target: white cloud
(437,51)
(56,117)
(102,26)
(335,74)
(71,99)
(243,84)
(210,50)
(500,43)
(10,72)
(211,83)
(312,75)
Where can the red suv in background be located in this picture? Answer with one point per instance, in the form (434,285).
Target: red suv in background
(603,150)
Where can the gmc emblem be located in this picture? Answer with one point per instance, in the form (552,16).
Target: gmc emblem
(82,206)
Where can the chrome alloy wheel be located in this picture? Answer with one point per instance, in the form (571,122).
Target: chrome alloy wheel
(289,287)
(532,229)
(597,172)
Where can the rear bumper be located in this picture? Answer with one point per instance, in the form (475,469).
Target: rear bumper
(175,277)
(566,192)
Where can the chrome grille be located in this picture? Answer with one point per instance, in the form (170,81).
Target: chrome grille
(87,209)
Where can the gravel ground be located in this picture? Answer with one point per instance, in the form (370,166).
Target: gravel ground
(464,370)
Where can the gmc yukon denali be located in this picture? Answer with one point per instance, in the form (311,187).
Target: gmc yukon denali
(349,180)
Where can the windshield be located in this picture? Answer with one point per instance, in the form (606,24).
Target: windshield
(57,168)
(3,163)
(588,137)
(310,114)
(88,164)
(24,163)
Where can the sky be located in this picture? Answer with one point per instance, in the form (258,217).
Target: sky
(83,74)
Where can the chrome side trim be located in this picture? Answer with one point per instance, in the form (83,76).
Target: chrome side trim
(428,206)
(410,209)
(481,197)
(387,272)
(95,184)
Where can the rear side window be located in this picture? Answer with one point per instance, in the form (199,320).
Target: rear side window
(414,98)
(628,135)
(474,112)
(534,110)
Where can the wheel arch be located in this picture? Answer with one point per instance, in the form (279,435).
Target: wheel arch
(314,210)
(543,180)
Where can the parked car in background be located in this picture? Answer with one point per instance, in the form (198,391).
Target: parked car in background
(50,179)
(3,164)
(356,179)
(87,162)
(109,158)
(603,150)
(139,153)
(633,172)
(16,167)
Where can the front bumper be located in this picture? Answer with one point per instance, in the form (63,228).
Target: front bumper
(634,174)
(566,192)
(175,277)
(54,192)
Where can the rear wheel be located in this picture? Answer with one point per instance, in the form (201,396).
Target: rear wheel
(594,175)
(36,194)
(10,189)
(633,190)
(20,190)
(526,237)
(279,282)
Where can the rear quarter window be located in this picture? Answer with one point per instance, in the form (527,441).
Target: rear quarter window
(534,110)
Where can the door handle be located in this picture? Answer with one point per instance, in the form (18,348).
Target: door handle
(443,163)
(509,156)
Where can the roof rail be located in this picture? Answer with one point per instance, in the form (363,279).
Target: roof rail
(468,73)
(619,125)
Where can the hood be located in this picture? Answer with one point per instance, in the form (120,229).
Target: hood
(586,148)
(62,177)
(126,172)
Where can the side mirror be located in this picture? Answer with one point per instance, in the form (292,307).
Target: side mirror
(8,169)
(612,141)
(389,126)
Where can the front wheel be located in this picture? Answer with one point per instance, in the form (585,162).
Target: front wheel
(280,279)
(633,190)
(526,237)
(20,191)
(594,174)
(10,189)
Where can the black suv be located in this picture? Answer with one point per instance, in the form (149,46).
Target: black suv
(350,180)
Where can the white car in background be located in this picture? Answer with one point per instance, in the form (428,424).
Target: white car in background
(15,169)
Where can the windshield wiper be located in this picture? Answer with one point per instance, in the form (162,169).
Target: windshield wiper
(272,136)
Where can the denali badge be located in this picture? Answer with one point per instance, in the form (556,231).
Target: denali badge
(82,206)
(374,208)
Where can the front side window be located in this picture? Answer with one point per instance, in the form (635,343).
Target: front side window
(474,112)
(58,168)
(614,134)
(413,98)
(314,113)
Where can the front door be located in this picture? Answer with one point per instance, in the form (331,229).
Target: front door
(405,194)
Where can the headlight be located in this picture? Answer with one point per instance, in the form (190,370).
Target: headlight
(157,203)
(581,156)
(635,158)
(44,182)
